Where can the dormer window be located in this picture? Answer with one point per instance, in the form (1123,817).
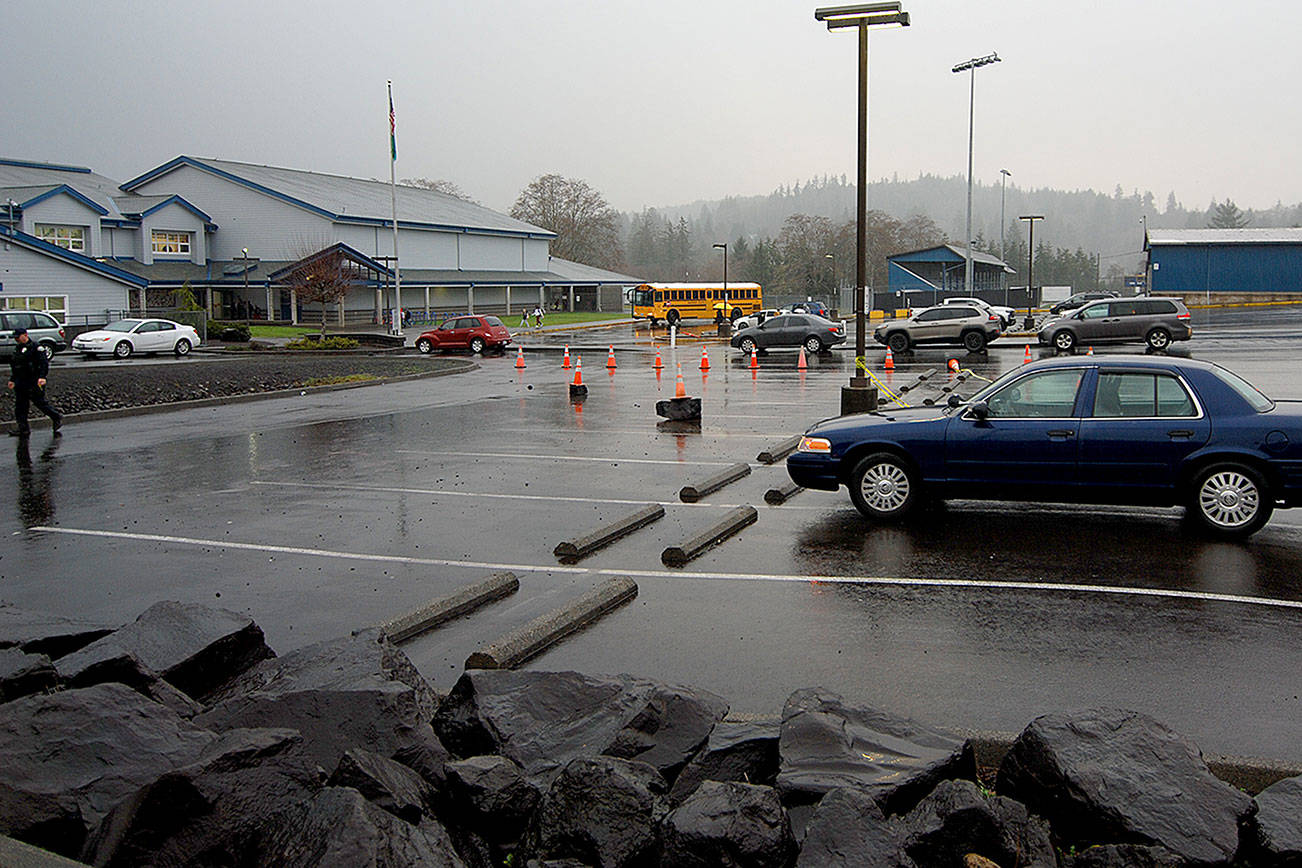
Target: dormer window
(171,243)
(67,237)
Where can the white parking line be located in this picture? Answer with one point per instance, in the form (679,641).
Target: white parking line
(525,456)
(436,492)
(297,550)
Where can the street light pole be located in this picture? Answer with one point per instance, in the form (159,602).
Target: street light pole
(1003,251)
(858,397)
(1030,266)
(970,67)
(724,248)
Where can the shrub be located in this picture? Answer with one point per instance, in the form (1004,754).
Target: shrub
(228,331)
(314,343)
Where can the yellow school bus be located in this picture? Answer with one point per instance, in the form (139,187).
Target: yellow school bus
(672,302)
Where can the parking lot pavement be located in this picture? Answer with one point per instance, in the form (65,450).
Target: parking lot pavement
(325,513)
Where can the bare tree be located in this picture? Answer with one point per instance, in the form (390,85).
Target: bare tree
(586,227)
(323,277)
(438,185)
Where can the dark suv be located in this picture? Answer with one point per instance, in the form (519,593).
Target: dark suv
(1155,321)
(1075,301)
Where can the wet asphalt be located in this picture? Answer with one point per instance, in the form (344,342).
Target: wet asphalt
(322,513)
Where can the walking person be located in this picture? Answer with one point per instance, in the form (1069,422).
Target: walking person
(28,369)
(524,317)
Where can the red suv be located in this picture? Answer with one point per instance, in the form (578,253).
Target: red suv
(476,333)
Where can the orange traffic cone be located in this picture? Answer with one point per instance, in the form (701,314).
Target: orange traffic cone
(1026,360)
(610,358)
(659,364)
(1091,352)
(953,366)
(565,362)
(705,360)
(578,371)
(754,361)
(889,364)
(802,365)
(680,391)
(519,358)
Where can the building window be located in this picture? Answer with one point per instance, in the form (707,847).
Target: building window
(171,242)
(67,237)
(55,305)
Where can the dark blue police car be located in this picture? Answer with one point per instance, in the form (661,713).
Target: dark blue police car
(1116,430)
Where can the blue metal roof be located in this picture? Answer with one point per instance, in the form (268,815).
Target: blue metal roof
(32,164)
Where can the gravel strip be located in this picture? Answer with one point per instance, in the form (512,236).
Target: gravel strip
(115,386)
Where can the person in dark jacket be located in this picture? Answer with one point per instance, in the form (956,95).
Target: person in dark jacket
(28,368)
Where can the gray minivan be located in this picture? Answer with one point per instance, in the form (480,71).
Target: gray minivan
(43,329)
(1153,320)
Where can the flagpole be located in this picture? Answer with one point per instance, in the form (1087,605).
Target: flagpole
(393,198)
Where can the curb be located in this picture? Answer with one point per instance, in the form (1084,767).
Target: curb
(541,633)
(736,519)
(573,550)
(693,493)
(146,409)
(444,609)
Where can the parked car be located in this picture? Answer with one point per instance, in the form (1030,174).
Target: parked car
(1155,321)
(475,333)
(754,319)
(1074,301)
(1118,430)
(812,332)
(1007,315)
(969,327)
(125,337)
(42,329)
(815,307)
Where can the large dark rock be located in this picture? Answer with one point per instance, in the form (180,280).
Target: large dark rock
(42,633)
(956,819)
(827,744)
(849,830)
(125,668)
(1107,776)
(67,758)
(1123,856)
(339,827)
(492,795)
(1278,824)
(22,673)
(602,811)
(728,824)
(356,691)
(388,784)
(194,648)
(542,720)
(745,751)
(208,813)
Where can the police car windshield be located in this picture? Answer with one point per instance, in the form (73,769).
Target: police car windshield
(122,325)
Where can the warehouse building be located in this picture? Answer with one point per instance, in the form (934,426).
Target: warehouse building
(1225,265)
(925,277)
(232,233)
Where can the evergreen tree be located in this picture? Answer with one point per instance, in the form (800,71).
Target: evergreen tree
(1227,216)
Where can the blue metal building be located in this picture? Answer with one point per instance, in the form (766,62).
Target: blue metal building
(926,276)
(1225,263)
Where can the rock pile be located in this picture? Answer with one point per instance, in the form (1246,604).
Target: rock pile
(181,739)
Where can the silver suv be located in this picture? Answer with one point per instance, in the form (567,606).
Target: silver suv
(1155,321)
(43,330)
(969,327)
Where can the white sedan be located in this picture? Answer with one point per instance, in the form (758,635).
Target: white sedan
(127,336)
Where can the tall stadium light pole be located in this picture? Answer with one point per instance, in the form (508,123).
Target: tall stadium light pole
(724,248)
(970,67)
(1030,266)
(1004,175)
(858,396)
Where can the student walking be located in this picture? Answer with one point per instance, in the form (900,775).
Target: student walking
(28,369)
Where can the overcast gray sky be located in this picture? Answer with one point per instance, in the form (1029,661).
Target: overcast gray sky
(661,103)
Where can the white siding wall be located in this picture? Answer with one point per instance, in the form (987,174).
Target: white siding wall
(270,228)
(173,218)
(536,257)
(419,248)
(490,252)
(66,211)
(26,272)
(122,242)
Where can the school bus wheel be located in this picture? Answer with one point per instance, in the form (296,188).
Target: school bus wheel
(672,317)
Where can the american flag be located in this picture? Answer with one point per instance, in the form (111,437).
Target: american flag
(393,134)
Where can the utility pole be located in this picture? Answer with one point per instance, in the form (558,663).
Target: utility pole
(1030,267)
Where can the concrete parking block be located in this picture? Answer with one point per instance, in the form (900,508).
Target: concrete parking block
(693,493)
(444,609)
(736,519)
(776,453)
(575,549)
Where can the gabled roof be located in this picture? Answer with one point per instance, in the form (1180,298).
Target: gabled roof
(31,242)
(1165,237)
(143,206)
(27,196)
(341,249)
(30,173)
(948,253)
(353,200)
